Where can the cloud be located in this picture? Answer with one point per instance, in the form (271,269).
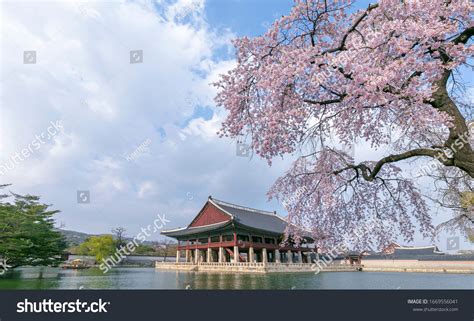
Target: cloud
(109,107)
(161,111)
(146,188)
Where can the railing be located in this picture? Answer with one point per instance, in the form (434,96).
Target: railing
(271,267)
(237,264)
(270,264)
(174,263)
(290,264)
(231,264)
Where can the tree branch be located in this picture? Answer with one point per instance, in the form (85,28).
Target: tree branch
(370,174)
(342,45)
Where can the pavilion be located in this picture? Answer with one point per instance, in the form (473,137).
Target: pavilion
(223,232)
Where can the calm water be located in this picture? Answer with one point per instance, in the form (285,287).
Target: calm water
(149,278)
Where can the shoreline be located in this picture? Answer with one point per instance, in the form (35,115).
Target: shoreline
(402,266)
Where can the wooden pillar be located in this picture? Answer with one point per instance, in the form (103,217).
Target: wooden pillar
(209,255)
(178,253)
(209,241)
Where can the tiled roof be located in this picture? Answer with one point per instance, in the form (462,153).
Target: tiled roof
(253,218)
(426,250)
(248,217)
(194,230)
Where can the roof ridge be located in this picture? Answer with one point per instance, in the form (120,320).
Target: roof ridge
(212,224)
(415,247)
(250,209)
(175,229)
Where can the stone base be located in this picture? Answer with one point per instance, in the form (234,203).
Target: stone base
(418,266)
(253,267)
(175,266)
(413,266)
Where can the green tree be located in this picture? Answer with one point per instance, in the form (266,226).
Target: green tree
(100,246)
(144,249)
(82,249)
(27,234)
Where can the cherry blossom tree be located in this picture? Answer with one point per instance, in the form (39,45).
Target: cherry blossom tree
(455,191)
(326,76)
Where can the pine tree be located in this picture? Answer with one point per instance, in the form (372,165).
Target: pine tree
(27,233)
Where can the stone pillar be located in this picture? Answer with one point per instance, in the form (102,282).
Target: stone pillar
(178,254)
(277,256)
(221,255)
(209,255)
(300,257)
(236,254)
(290,256)
(188,259)
(251,255)
(264,256)
(197,255)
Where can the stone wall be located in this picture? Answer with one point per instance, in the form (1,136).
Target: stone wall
(252,267)
(418,266)
(336,266)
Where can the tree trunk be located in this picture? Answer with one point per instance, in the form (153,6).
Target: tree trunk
(458,140)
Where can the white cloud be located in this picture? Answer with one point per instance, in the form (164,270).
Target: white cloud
(108,107)
(145,189)
(205,129)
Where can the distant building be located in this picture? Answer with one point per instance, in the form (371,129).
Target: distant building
(417,251)
(390,249)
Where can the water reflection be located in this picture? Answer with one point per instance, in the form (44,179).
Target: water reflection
(149,278)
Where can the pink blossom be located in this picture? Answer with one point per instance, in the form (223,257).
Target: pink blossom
(320,71)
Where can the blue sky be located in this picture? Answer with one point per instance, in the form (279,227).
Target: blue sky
(246,18)
(139,137)
(258,14)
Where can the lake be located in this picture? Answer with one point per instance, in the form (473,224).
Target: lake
(149,278)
